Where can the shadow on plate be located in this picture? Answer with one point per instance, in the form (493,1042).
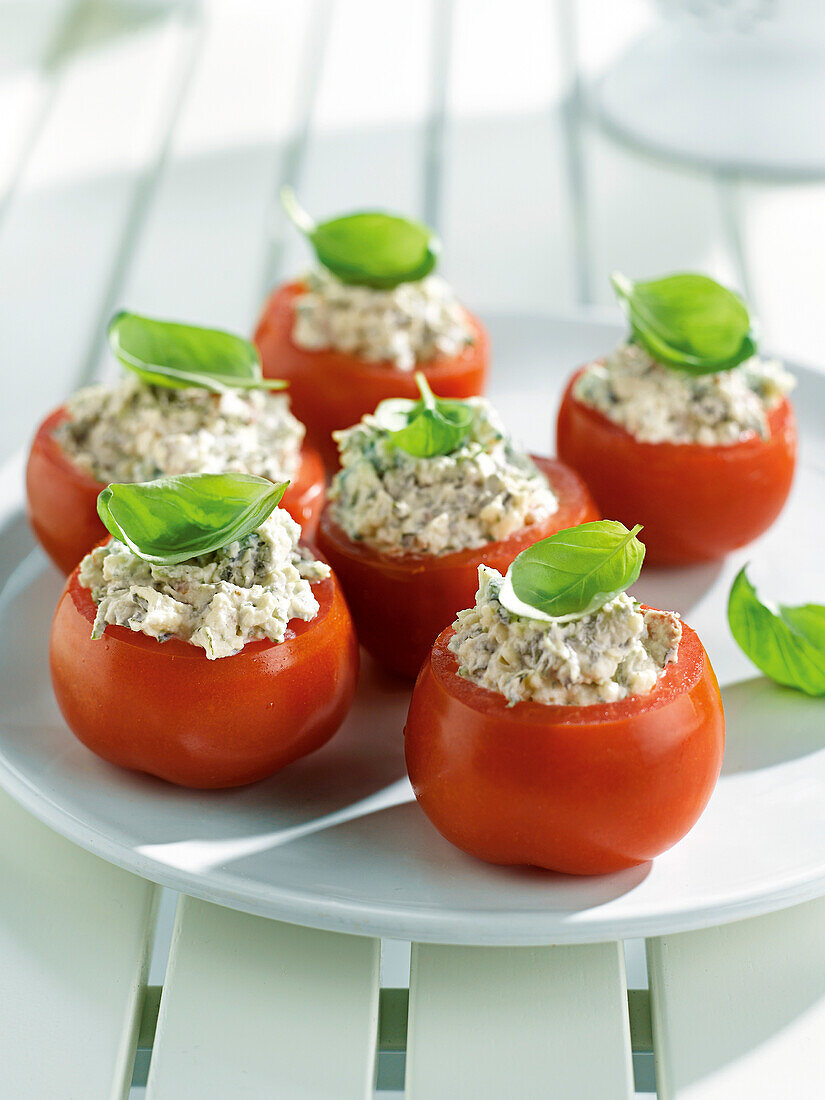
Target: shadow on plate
(767,724)
(359,771)
(396,855)
(676,589)
(16,542)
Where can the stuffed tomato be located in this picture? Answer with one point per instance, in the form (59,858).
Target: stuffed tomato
(400,602)
(697,501)
(212,670)
(62,496)
(581,745)
(704,458)
(351,333)
(406,530)
(192,400)
(332,388)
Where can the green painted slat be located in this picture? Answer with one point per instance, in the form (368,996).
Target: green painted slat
(641,1029)
(393,1009)
(149,1017)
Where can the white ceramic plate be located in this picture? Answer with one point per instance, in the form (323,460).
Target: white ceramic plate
(336,841)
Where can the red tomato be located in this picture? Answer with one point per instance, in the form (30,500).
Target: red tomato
(165,709)
(579,789)
(400,602)
(62,500)
(697,503)
(331,390)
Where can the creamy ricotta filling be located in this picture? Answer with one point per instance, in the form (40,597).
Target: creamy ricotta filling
(483,492)
(614,652)
(657,404)
(242,593)
(410,324)
(134,432)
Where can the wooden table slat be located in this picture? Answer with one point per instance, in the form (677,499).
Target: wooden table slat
(739,1010)
(366,145)
(75,937)
(506,211)
(32,38)
(489,1022)
(252,1007)
(206,239)
(73,210)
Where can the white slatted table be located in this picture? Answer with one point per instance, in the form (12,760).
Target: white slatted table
(141,149)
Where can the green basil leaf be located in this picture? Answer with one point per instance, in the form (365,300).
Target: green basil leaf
(786,643)
(434,426)
(574,572)
(687,321)
(176,518)
(368,248)
(164,353)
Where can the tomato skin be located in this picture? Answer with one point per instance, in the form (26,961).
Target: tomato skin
(165,709)
(400,602)
(306,493)
(330,389)
(62,500)
(583,790)
(696,503)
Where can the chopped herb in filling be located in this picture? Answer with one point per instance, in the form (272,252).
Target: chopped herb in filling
(246,591)
(410,324)
(482,492)
(134,432)
(658,404)
(603,656)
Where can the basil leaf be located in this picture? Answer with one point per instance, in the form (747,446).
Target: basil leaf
(369,248)
(164,353)
(176,518)
(573,572)
(434,427)
(393,413)
(786,643)
(687,321)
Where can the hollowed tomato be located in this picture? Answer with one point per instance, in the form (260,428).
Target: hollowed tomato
(166,709)
(62,499)
(330,389)
(696,502)
(579,789)
(400,602)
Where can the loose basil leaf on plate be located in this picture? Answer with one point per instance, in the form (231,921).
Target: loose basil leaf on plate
(687,321)
(369,248)
(573,572)
(786,643)
(174,519)
(434,426)
(165,353)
